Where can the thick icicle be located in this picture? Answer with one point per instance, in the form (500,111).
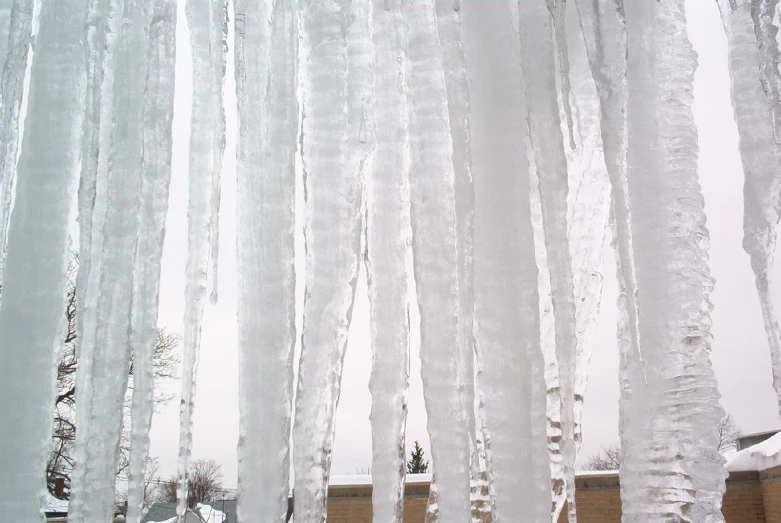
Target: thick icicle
(155,180)
(207,20)
(436,261)
(457,84)
(506,299)
(537,59)
(266,69)
(98,441)
(336,82)
(387,240)
(751,66)
(671,467)
(15,29)
(32,310)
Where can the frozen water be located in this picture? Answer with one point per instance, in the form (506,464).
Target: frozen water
(266,68)
(155,180)
(495,139)
(38,252)
(207,20)
(387,245)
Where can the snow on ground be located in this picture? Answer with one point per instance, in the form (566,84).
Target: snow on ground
(761,456)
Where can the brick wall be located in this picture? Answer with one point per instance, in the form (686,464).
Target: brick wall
(751,497)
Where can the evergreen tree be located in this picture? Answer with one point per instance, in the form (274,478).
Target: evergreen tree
(416,465)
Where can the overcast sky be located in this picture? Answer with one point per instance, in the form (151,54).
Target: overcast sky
(740,352)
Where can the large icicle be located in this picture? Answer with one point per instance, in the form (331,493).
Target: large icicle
(207,20)
(506,299)
(751,64)
(538,61)
(336,82)
(671,466)
(97,442)
(436,262)
(387,240)
(155,180)
(14,47)
(266,69)
(32,310)
(457,84)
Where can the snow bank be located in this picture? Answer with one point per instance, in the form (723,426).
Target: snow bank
(761,456)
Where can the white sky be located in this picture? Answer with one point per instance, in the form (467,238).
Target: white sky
(740,352)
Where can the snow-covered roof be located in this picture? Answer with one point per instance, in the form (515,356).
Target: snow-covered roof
(52,504)
(761,456)
(366,479)
(208,514)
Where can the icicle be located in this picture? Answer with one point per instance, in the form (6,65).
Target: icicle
(588,209)
(762,13)
(14,44)
(110,356)
(102,31)
(32,310)
(537,59)
(336,82)
(156,178)
(387,240)
(266,49)
(454,66)
(207,20)
(671,467)
(217,76)
(436,262)
(506,299)
(750,65)
(558,10)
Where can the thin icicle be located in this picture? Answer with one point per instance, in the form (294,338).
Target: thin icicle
(14,47)
(266,69)
(32,309)
(436,262)
(102,31)
(750,65)
(207,20)
(763,12)
(449,22)
(558,10)
(537,59)
(387,241)
(98,442)
(155,181)
(506,298)
(337,83)
(217,76)
(671,467)
(588,210)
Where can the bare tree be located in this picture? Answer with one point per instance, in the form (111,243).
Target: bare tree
(609,458)
(204,483)
(166,362)
(729,432)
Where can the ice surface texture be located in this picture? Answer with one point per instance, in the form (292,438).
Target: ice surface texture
(484,144)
